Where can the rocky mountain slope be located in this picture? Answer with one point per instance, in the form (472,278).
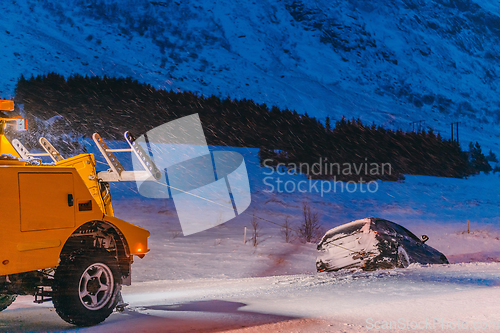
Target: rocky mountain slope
(393,62)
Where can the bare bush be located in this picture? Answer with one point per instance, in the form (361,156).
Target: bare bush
(310,229)
(256,230)
(286,231)
(175,233)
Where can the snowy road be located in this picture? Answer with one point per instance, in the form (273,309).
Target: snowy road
(434,298)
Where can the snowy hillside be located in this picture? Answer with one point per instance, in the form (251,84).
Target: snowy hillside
(437,207)
(393,62)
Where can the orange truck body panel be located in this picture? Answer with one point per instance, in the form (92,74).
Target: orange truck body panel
(6,147)
(6,105)
(41,206)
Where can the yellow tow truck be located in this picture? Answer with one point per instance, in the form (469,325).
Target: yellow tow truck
(59,239)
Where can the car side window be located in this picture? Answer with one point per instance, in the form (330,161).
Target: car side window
(405,233)
(385,227)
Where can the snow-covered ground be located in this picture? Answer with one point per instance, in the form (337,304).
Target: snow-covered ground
(212,281)
(438,207)
(437,299)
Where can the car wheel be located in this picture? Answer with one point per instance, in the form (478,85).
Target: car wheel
(403,258)
(6,300)
(86,285)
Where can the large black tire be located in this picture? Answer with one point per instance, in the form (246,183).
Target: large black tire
(6,300)
(85,288)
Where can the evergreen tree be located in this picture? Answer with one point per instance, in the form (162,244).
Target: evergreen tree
(328,126)
(492,157)
(477,159)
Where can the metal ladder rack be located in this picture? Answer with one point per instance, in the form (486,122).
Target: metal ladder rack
(117,172)
(46,145)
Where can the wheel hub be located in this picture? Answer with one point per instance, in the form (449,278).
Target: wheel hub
(93,286)
(96,286)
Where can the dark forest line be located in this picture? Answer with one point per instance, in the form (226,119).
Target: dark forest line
(112,106)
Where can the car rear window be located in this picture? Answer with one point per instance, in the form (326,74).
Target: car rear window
(343,231)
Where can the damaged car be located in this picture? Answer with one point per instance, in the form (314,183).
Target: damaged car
(374,243)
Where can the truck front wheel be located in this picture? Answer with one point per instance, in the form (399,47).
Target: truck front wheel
(85,288)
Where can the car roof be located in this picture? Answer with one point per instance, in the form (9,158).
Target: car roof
(373,222)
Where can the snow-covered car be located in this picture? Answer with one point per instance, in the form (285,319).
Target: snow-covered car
(373,243)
